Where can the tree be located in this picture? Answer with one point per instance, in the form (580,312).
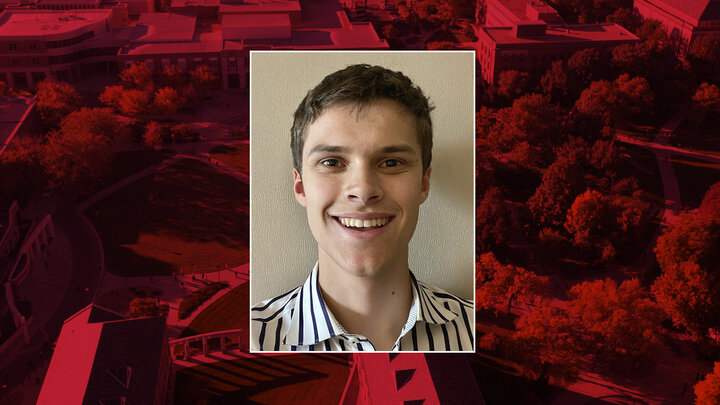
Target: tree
(155,134)
(706,101)
(704,57)
(112,96)
(389,31)
(504,283)
(171,76)
(531,118)
(605,224)
(561,183)
(690,296)
(168,101)
(548,345)
(634,96)
(492,221)
(689,286)
(99,121)
(512,83)
(138,77)
(707,390)
(555,82)
(599,100)
(693,238)
(616,317)
(440,45)
(144,307)
(21,173)
(134,102)
(626,17)
(710,205)
(76,158)
(55,100)
(203,78)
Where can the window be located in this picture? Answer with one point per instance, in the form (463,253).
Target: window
(15,61)
(35,61)
(33,47)
(13,46)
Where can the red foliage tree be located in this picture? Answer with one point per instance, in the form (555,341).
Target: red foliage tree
(55,100)
(512,84)
(547,344)
(168,101)
(144,307)
(707,391)
(138,77)
(77,159)
(561,183)
(492,221)
(616,318)
(689,286)
(499,285)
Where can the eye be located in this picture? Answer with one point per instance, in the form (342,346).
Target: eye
(391,163)
(330,162)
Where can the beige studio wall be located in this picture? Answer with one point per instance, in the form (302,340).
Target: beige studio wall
(283,251)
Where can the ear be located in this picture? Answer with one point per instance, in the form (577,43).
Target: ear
(425,185)
(298,188)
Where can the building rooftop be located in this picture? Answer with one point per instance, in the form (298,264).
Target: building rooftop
(691,10)
(20,23)
(258,6)
(165,27)
(100,356)
(562,33)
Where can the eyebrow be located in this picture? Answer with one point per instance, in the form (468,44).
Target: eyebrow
(325,148)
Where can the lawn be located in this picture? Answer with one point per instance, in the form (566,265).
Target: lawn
(694,177)
(701,139)
(187,217)
(229,312)
(236,156)
(297,379)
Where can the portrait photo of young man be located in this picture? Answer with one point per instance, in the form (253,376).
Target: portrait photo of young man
(364,146)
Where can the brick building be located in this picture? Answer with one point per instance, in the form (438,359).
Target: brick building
(684,20)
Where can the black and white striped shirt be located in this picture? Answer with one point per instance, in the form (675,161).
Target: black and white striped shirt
(299,320)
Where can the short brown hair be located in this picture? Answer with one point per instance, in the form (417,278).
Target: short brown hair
(363,84)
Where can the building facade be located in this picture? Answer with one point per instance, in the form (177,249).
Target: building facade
(533,46)
(684,20)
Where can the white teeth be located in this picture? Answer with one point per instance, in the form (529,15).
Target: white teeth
(363,223)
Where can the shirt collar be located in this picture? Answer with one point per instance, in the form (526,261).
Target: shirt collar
(312,321)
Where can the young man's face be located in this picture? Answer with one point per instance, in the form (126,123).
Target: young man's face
(362,184)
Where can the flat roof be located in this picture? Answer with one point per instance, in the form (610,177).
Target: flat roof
(164,27)
(34,22)
(565,33)
(200,43)
(258,6)
(256,20)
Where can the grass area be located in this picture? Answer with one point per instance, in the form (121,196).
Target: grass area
(642,164)
(298,379)
(236,156)
(694,177)
(701,139)
(187,217)
(231,311)
(198,297)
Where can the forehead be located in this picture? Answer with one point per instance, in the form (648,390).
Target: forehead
(375,124)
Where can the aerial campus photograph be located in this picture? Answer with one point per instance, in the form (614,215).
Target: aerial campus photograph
(124,202)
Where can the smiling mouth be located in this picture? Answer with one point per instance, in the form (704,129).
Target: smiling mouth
(362,224)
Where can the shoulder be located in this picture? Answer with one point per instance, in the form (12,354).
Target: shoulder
(270,320)
(449,301)
(267,310)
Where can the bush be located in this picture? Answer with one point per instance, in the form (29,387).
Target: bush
(183,133)
(196,298)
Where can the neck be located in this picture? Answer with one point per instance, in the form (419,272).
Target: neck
(374,306)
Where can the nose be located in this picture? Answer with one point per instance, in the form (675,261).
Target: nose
(363,185)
